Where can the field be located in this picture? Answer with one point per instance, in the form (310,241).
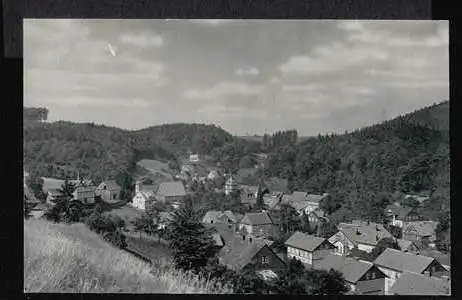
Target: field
(71,258)
(156,167)
(127,213)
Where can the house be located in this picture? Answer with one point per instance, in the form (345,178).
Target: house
(171,192)
(442,258)
(407,246)
(194,157)
(304,202)
(224,217)
(144,194)
(258,225)
(419,198)
(418,284)
(85,194)
(394,262)
(359,234)
(52,195)
(362,277)
(249,194)
(245,252)
(307,248)
(272,201)
(317,216)
(422,233)
(39,210)
(225,231)
(398,215)
(231,185)
(108,190)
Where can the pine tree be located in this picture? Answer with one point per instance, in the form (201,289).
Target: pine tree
(190,241)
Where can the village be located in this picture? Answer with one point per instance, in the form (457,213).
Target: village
(248,232)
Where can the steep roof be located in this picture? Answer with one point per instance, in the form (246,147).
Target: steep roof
(148,188)
(442,258)
(298,196)
(171,189)
(417,284)
(351,268)
(422,228)
(316,197)
(110,185)
(369,234)
(304,241)
(261,218)
(405,244)
(399,211)
(403,261)
(214,215)
(237,253)
(226,231)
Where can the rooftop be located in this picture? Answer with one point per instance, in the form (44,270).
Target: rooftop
(237,253)
(417,284)
(403,261)
(422,228)
(261,218)
(363,232)
(171,189)
(399,211)
(304,241)
(351,268)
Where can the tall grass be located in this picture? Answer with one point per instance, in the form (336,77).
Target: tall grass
(71,258)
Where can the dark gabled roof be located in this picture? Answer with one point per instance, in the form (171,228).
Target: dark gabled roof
(368,233)
(261,218)
(171,189)
(304,241)
(226,231)
(417,284)
(216,216)
(403,261)
(351,268)
(237,253)
(110,185)
(442,258)
(399,211)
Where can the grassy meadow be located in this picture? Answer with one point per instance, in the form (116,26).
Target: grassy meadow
(71,258)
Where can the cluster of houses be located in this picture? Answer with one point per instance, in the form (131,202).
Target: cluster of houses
(246,241)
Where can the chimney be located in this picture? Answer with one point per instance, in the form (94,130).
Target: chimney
(357,231)
(250,239)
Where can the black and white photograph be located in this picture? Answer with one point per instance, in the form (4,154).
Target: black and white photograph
(236,156)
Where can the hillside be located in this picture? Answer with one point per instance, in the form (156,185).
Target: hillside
(64,148)
(70,258)
(364,168)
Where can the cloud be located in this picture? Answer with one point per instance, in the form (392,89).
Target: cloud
(213,22)
(302,87)
(250,71)
(224,89)
(78,101)
(145,40)
(336,56)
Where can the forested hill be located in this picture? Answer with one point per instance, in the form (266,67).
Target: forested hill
(364,168)
(64,148)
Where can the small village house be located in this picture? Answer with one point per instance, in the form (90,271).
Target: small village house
(249,194)
(417,284)
(258,225)
(307,248)
(245,252)
(419,198)
(171,192)
(85,194)
(423,233)
(305,202)
(225,231)
(144,194)
(194,157)
(398,215)
(359,234)
(317,217)
(393,263)
(443,258)
(108,190)
(362,277)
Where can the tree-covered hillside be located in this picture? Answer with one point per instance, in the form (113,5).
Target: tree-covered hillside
(62,149)
(363,169)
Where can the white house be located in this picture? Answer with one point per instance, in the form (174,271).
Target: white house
(231,185)
(194,158)
(363,235)
(307,248)
(304,202)
(143,195)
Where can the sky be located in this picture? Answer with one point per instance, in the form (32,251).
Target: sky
(246,76)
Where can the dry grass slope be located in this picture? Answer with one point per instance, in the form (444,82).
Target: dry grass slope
(70,258)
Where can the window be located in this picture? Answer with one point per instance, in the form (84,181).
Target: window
(373,275)
(264,260)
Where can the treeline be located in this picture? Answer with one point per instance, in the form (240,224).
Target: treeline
(280,138)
